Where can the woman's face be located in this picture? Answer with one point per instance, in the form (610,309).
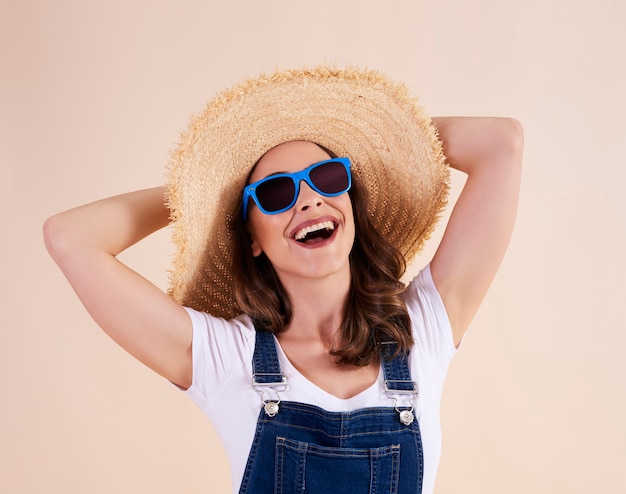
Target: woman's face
(324,226)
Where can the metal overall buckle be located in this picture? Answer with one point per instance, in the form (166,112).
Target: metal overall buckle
(406,416)
(271,407)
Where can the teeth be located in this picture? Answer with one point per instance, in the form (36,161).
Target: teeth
(326,225)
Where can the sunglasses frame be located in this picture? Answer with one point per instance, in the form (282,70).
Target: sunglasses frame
(249,191)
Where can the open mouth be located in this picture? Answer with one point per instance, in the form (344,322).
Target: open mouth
(315,233)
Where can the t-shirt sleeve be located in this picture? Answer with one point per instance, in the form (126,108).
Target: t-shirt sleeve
(431,326)
(218,347)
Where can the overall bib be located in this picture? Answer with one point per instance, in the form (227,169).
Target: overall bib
(300,448)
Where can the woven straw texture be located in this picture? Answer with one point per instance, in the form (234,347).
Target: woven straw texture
(357,113)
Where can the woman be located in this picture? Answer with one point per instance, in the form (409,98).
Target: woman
(297,198)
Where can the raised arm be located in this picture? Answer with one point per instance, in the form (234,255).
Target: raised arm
(489,151)
(140,317)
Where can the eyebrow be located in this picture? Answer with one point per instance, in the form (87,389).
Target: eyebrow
(276,173)
(285,172)
(250,182)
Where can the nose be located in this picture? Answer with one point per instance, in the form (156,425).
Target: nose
(308,197)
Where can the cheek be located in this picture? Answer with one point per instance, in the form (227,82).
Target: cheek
(346,206)
(264,231)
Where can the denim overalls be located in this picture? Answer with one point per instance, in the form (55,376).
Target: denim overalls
(300,448)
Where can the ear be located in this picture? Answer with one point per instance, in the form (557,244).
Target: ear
(255,247)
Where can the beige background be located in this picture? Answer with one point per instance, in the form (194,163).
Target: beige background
(93,96)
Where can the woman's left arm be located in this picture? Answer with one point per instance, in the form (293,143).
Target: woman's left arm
(489,151)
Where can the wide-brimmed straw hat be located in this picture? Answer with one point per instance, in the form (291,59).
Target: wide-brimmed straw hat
(356,113)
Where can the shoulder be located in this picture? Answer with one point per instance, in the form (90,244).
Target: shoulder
(423,299)
(431,327)
(221,336)
(201,318)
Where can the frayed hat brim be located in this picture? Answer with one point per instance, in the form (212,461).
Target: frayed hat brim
(360,114)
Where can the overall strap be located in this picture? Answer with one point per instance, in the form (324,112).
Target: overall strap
(265,366)
(398,379)
(397,373)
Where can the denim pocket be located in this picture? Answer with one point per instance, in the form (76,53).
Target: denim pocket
(305,467)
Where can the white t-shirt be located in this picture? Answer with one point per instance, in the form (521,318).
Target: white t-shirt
(222,378)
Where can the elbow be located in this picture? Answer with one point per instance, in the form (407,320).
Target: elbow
(476,144)
(512,139)
(56,237)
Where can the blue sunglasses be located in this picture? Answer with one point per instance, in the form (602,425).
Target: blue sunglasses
(278,193)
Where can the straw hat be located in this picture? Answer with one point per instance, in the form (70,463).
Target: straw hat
(356,113)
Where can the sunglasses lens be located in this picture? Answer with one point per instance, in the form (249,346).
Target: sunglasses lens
(330,178)
(276,194)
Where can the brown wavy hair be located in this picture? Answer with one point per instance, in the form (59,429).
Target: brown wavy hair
(375,312)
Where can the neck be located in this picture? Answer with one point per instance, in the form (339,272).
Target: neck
(318,307)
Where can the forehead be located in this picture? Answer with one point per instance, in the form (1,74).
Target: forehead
(288,157)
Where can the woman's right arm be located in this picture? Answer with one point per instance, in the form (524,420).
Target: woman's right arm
(146,322)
